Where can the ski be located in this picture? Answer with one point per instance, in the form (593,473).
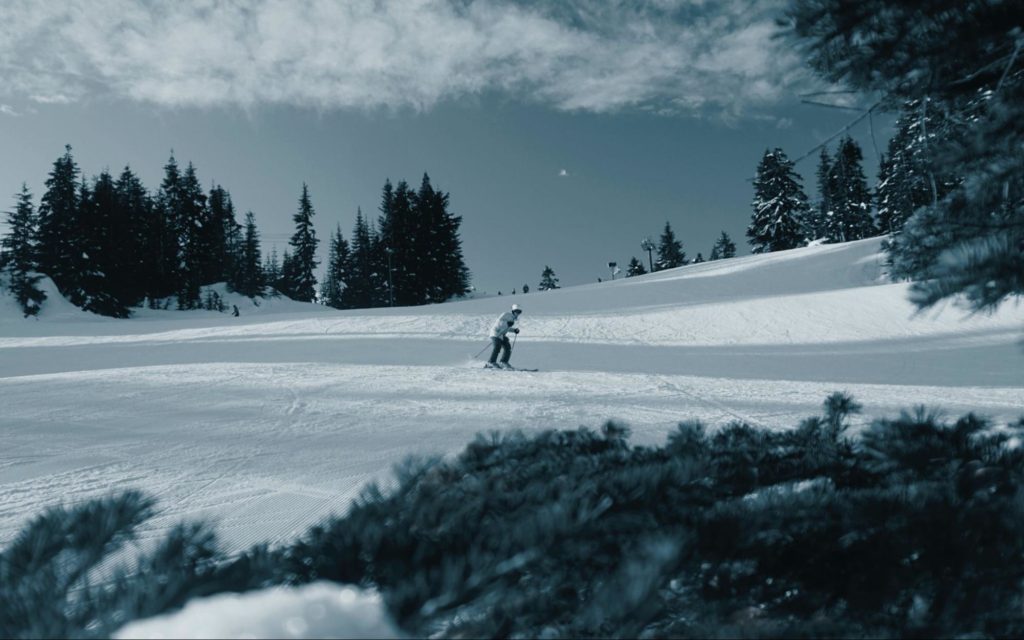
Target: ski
(507,368)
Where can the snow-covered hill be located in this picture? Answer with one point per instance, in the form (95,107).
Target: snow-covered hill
(270,420)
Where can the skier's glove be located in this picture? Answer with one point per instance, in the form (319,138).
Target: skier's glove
(516,330)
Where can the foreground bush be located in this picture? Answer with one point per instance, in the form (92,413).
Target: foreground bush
(914,528)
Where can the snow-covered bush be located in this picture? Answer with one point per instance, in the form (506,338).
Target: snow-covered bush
(319,610)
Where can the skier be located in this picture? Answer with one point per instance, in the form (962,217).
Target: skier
(499,338)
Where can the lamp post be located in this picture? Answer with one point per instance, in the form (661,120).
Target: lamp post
(648,246)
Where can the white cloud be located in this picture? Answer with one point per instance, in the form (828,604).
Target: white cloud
(669,56)
(8,110)
(562,173)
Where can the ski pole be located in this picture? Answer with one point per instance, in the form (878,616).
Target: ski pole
(514,338)
(481,351)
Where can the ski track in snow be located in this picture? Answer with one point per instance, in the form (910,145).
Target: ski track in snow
(268,423)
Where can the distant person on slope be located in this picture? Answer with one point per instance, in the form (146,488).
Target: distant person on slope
(499,337)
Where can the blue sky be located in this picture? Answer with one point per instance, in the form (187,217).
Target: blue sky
(564,131)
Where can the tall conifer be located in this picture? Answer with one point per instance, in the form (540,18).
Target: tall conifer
(19,254)
(780,205)
(850,216)
(298,269)
(670,250)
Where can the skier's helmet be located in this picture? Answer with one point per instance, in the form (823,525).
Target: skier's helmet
(516,309)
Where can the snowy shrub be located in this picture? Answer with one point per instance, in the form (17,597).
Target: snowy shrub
(911,528)
(320,610)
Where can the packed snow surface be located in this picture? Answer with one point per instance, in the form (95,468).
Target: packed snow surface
(272,420)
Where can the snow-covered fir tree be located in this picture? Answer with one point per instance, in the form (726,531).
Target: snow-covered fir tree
(548,280)
(338,261)
(907,179)
(298,268)
(670,250)
(724,248)
(849,217)
(780,205)
(19,254)
(698,259)
(815,222)
(635,268)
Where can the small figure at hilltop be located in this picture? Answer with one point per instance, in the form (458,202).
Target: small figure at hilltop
(499,337)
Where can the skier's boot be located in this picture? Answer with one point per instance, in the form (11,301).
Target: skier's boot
(491,365)
(505,365)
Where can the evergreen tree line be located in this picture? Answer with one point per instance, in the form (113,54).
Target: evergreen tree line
(110,245)
(670,254)
(412,255)
(783,216)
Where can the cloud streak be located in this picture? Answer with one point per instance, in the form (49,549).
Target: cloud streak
(670,56)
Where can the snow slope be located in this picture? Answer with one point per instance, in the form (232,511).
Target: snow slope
(270,421)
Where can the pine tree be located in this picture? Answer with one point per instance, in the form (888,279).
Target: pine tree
(850,216)
(698,259)
(906,174)
(401,238)
(162,236)
(780,205)
(103,255)
(526,288)
(191,221)
(724,248)
(248,276)
(136,270)
(670,250)
(59,239)
(635,268)
(816,222)
(443,269)
(220,238)
(298,273)
(284,282)
(19,254)
(548,280)
(338,263)
(362,289)
(272,270)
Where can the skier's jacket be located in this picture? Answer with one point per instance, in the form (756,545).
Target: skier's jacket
(503,324)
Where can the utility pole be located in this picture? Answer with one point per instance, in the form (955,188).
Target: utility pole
(648,246)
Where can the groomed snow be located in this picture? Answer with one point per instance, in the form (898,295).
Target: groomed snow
(272,420)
